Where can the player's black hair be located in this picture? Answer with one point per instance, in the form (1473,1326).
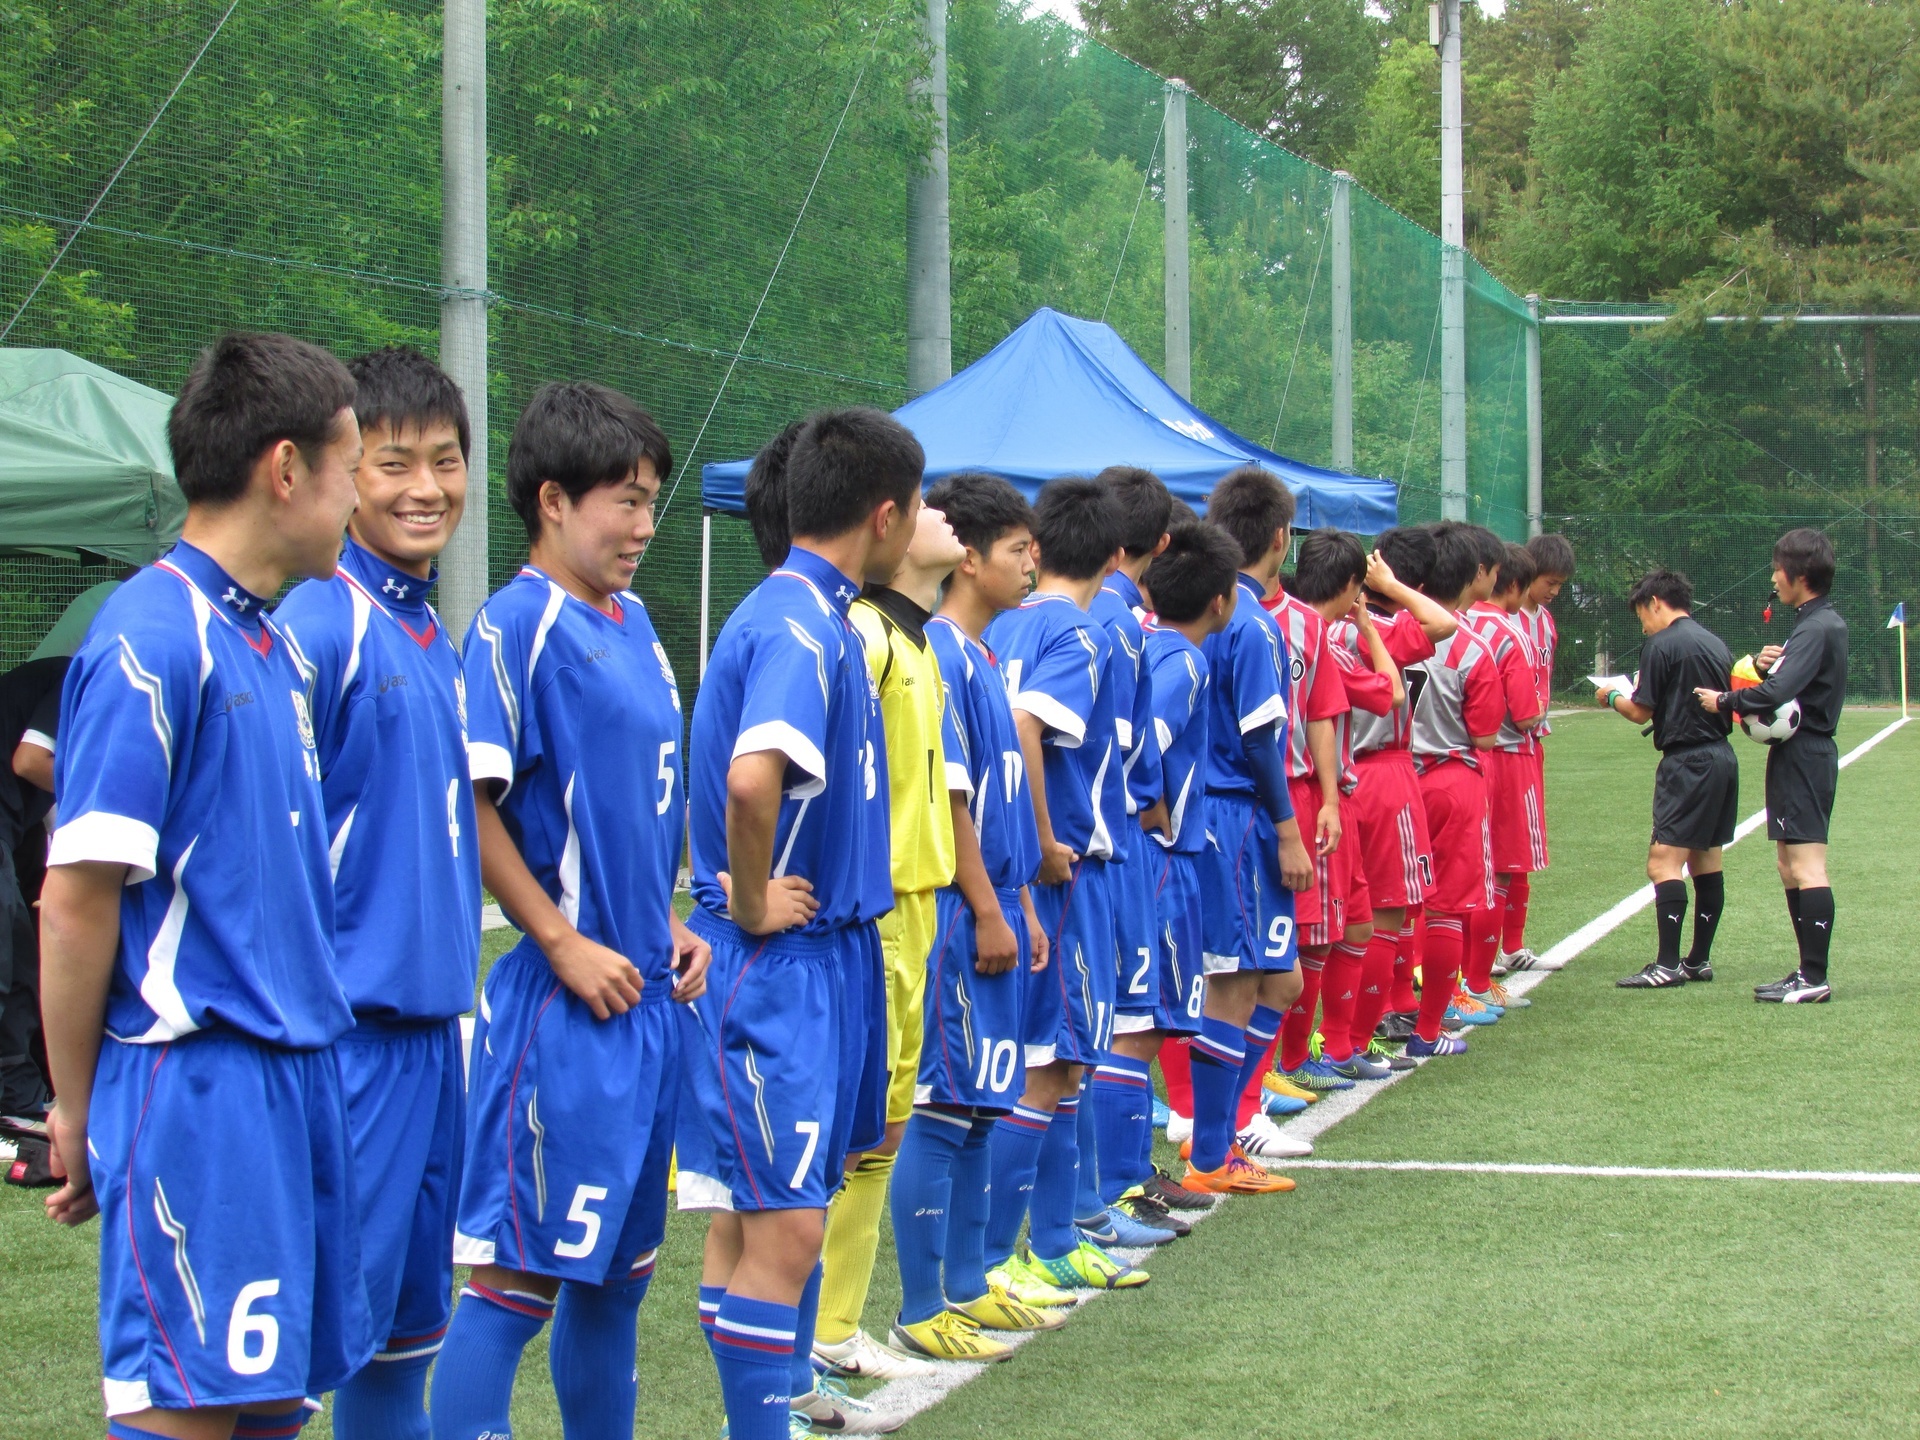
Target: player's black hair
(1492,548)
(1806,554)
(1408,550)
(1456,559)
(766,496)
(1077,524)
(1663,584)
(1329,560)
(1552,555)
(1144,504)
(580,436)
(980,507)
(1200,563)
(244,395)
(1516,568)
(845,464)
(1250,504)
(399,388)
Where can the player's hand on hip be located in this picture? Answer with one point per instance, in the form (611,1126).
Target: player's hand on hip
(691,957)
(1326,830)
(787,902)
(1296,866)
(605,979)
(74,1202)
(1056,862)
(996,947)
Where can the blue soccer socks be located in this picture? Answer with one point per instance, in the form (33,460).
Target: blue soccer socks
(1017,1138)
(387,1400)
(753,1346)
(1056,1182)
(473,1383)
(966,1253)
(923,1187)
(1122,1096)
(592,1352)
(1217,1055)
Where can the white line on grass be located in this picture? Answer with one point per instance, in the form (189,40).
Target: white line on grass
(1615,1172)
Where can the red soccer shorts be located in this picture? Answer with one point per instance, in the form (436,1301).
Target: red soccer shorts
(1395,853)
(1456,796)
(1516,810)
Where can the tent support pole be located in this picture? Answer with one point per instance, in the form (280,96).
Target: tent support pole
(1341,220)
(463,273)
(1179,335)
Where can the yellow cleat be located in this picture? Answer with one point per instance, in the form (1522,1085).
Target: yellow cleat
(948,1336)
(1280,1085)
(998,1310)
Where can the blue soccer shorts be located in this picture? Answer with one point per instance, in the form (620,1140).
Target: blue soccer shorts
(406,1117)
(1076,990)
(973,1055)
(1246,909)
(1136,935)
(1183,978)
(570,1126)
(764,1125)
(229,1224)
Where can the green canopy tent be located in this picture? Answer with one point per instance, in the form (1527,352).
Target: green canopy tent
(84,466)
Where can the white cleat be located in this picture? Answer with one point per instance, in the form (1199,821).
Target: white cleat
(867,1359)
(1263,1140)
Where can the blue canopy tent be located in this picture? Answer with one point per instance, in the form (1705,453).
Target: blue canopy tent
(1061,396)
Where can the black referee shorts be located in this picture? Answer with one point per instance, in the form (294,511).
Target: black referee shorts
(1802,775)
(1696,796)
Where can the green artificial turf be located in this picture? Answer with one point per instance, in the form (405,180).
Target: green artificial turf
(1415,1304)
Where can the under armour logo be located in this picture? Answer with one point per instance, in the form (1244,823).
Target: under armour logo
(238,601)
(395,588)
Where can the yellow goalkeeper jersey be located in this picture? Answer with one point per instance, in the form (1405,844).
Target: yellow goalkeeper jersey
(912,706)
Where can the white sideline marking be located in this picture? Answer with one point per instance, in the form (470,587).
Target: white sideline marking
(1615,1172)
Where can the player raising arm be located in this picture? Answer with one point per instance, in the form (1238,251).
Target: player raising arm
(191,1002)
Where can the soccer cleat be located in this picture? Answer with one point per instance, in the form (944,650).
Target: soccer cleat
(1263,1140)
(998,1310)
(1396,1026)
(1278,1084)
(864,1358)
(1161,1114)
(949,1336)
(1697,974)
(1098,1228)
(1419,1049)
(1128,1233)
(1175,1196)
(1795,989)
(1179,1127)
(1087,1267)
(1653,977)
(1142,1206)
(1483,998)
(1239,1176)
(1318,1076)
(1023,1283)
(1507,1001)
(1382,1053)
(830,1409)
(1274,1103)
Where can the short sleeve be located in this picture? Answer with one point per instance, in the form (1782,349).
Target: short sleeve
(1059,685)
(132,703)
(503,729)
(1485,704)
(785,691)
(1259,677)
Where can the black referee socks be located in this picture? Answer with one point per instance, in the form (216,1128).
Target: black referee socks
(1709,896)
(1669,910)
(1816,932)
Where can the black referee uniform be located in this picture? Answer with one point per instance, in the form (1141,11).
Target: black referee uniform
(1696,791)
(1803,773)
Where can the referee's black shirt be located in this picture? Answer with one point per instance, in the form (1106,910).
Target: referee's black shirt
(1672,663)
(1812,667)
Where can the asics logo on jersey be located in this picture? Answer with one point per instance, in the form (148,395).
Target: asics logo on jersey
(238,601)
(394,588)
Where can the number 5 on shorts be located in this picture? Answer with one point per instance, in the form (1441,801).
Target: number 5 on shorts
(810,1129)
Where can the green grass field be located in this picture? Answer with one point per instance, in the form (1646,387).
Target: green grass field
(1418,1304)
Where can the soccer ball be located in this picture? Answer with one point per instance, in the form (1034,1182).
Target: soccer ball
(1773,726)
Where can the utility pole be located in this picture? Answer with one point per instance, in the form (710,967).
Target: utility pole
(929,254)
(463,273)
(1341,220)
(1179,335)
(1443,21)
(1536,490)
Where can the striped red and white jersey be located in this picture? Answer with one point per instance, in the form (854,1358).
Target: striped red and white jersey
(1546,641)
(1317,691)
(1456,695)
(1407,644)
(1512,649)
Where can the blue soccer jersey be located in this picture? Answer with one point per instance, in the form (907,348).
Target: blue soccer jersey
(187,755)
(1056,657)
(575,713)
(983,755)
(1120,607)
(1180,707)
(788,674)
(1248,688)
(389,720)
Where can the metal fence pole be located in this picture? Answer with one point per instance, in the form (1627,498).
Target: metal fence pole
(1453,275)
(929,256)
(1536,502)
(1342,234)
(463,270)
(1179,334)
